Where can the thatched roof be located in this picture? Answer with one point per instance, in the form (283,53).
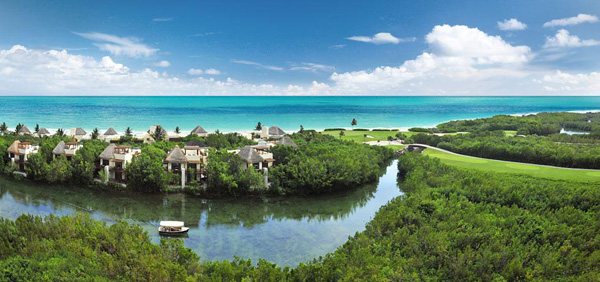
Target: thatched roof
(287,141)
(14,147)
(196,143)
(24,130)
(43,131)
(250,155)
(275,130)
(79,131)
(59,149)
(199,130)
(108,153)
(176,156)
(110,131)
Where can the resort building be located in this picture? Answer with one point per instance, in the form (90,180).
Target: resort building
(114,159)
(24,130)
(68,149)
(18,153)
(258,159)
(287,141)
(189,162)
(78,133)
(110,134)
(271,132)
(43,132)
(199,131)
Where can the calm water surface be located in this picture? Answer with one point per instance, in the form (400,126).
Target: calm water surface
(285,230)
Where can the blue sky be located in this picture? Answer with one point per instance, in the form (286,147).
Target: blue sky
(301,47)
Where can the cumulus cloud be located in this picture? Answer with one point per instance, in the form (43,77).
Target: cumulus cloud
(511,24)
(460,58)
(381,38)
(564,39)
(579,19)
(201,72)
(312,67)
(565,82)
(126,46)
(162,64)
(258,65)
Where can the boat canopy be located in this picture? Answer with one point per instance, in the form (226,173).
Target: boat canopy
(172,223)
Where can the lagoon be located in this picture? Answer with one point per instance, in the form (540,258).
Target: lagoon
(284,230)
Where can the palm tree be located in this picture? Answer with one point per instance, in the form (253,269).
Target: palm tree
(18,128)
(128,132)
(60,132)
(158,134)
(354,122)
(341,134)
(301,129)
(37,128)
(258,126)
(95,134)
(364,137)
(3,128)
(177,129)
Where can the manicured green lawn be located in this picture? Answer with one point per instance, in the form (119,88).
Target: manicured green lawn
(359,136)
(497,166)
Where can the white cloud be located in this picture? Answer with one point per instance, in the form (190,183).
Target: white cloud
(163,19)
(512,24)
(258,65)
(195,72)
(565,82)
(212,72)
(381,38)
(338,46)
(127,46)
(460,59)
(312,67)
(201,72)
(579,19)
(564,39)
(162,64)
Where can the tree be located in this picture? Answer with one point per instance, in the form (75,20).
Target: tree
(95,134)
(60,132)
(364,136)
(342,134)
(128,132)
(3,128)
(158,134)
(18,128)
(146,174)
(37,128)
(301,129)
(258,126)
(354,122)
(177,130)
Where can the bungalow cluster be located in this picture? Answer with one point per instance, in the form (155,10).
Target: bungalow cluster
(188,161)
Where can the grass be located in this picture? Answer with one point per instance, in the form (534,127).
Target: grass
(359,136)
(526,169)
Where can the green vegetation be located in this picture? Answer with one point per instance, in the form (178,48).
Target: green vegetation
(359,136)
(452,225)
(517,168)
(323,163)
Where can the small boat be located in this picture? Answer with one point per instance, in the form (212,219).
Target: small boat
(172,228)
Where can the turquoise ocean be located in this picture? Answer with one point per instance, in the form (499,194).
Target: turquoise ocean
(243,113)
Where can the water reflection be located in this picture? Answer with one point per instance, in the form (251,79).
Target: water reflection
(286,230)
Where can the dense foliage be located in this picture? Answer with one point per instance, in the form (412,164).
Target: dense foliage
(471,226)
(323,163)
(538,124)
(529,149)
(228,176)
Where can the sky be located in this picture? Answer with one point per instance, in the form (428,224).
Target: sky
(307,47)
